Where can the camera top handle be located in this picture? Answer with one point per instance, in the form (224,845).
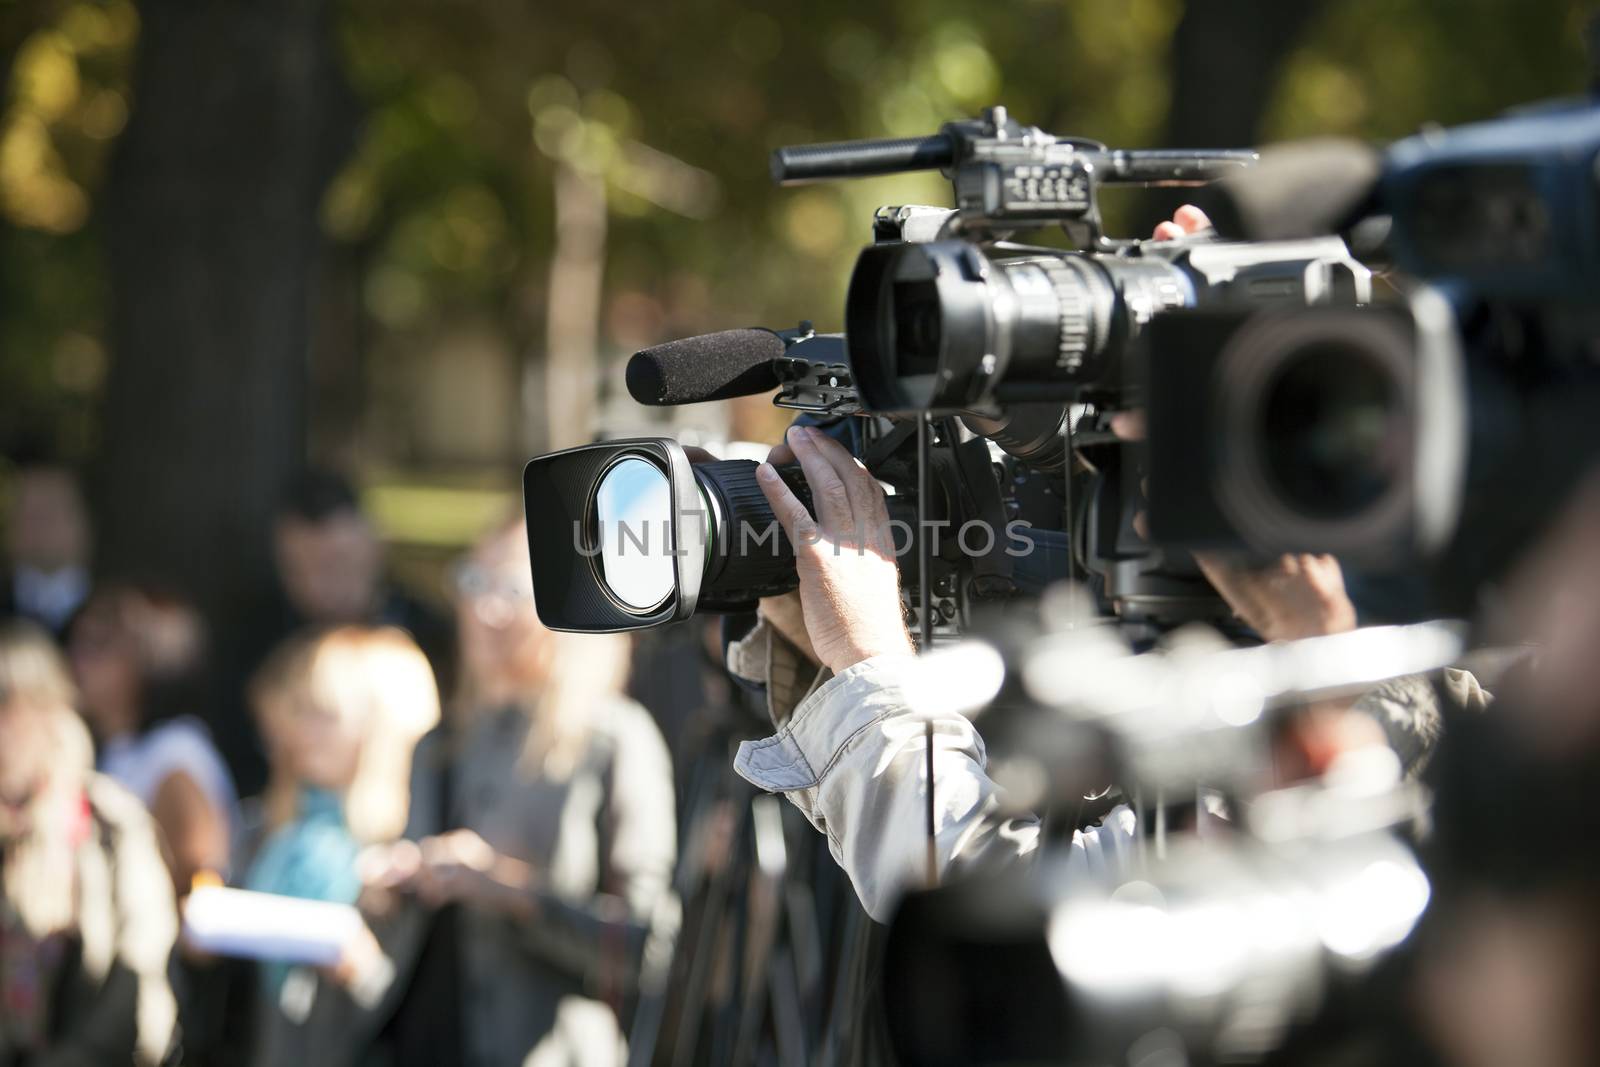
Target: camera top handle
(1009,176)
(861,159)
(798,164)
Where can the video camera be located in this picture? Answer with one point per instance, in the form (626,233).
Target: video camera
(967,352)
(1455,418)
(1447,424)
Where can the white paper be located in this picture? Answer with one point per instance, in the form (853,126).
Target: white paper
(264,926)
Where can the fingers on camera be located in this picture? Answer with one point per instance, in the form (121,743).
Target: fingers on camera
(861,486)
(1187,220)
(791,514)
(1129,425)
(828,491)
(1191,219)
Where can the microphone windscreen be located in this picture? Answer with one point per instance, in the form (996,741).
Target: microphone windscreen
(712,366)
(1297,190)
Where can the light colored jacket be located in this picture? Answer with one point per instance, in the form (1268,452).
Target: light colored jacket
(852,756)
(113,1003)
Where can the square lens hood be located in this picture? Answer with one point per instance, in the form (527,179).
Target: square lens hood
(558,492)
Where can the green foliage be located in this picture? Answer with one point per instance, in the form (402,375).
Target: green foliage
(470,108)
(65,101)
(446,204)
(1382,68)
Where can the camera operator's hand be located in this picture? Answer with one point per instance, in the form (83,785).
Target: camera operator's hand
(1294,596)
(786,614)
(849,583)
(1187,220)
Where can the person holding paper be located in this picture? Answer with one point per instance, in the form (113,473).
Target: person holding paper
(352,703)
(541,840)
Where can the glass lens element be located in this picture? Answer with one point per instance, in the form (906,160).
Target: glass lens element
(633,508)
(1333,427)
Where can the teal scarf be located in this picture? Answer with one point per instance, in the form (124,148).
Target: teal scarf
(313,858)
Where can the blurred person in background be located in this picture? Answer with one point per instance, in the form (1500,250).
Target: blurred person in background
(331,565)
(351,705)
(47,546)
(544,839)
(275,694)
(87,918)
(138,656)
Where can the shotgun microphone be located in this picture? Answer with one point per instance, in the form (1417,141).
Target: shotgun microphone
(713,366)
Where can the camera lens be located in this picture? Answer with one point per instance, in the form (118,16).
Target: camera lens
(946,327)
(1328,425)
(633,519)
(1316,423)
(917,328)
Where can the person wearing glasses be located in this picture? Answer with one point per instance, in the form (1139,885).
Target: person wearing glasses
(537,861)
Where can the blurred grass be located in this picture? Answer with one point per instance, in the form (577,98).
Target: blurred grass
(432,516)
(427,525)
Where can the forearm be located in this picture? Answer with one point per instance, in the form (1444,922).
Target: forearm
(195,831)
(854,759)
(1412,715)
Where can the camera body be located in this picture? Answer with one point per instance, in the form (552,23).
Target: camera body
(947,314)
(951,326)
(1473,392)
(1320,430)
(1507,209)
(632,534)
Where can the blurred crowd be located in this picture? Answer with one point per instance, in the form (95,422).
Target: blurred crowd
(483,790)
(549,854)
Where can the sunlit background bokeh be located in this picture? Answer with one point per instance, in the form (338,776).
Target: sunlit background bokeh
(522,194)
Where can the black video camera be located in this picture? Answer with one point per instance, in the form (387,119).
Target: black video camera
(951,325)
(632,534)
(1445,426)
(946,314)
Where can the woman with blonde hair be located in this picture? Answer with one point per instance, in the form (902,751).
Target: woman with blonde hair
(342,712)
(87,916)
(543,838)
(346,708)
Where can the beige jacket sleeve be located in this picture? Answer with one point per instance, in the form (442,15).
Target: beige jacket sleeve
(853,759)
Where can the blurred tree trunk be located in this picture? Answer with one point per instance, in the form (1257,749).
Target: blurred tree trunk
(337,358)
(572,311)
(241,117)
(1226,57)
